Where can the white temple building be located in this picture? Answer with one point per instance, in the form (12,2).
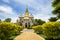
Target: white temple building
(26,20)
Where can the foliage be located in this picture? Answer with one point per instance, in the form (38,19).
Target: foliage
(7,20)
(51,29)
(56,5)
(55,2)
(0,20)
(53,19)
(38,29)
(39,22)
(7,30)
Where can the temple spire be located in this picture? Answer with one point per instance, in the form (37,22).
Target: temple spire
(27,13)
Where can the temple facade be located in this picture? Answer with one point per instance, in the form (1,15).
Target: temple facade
(26,20)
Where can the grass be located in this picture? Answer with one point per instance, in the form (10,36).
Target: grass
(42,35)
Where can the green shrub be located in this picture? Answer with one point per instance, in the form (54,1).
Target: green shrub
(7,30)
(51,30)
(38,29)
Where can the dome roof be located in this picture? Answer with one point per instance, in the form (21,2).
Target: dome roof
(26,18)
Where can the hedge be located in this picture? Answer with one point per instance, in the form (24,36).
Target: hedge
(51,30)
(7,30)
(38,29)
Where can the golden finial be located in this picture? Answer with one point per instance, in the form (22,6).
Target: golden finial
(27,13)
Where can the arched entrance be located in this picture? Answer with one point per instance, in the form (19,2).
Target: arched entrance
(26,25)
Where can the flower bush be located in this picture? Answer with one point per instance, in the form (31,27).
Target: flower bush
(7,30)
(38,29)
(51,30)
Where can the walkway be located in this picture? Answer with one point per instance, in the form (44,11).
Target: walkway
(27,30)
(28,34)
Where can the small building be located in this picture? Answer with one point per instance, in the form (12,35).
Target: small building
(26,20)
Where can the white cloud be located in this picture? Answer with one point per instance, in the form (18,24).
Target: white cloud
(7,1)
(25,2)
(6,9)
(44,17)
(8,12)
(58,20)
(42,11)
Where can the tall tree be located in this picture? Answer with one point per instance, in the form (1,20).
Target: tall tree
(0,20)
(7,20)
(39,22)
(56,5)
(53,19)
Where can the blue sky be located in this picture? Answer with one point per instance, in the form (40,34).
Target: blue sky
(40,9)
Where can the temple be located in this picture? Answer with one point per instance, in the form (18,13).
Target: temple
(26,20)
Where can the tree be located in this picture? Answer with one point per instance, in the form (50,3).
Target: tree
(7,20)
(53,19)
(0,20)
(39,21)
(56,5)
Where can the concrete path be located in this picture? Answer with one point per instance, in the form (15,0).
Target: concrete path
(28,34)
(27,30)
